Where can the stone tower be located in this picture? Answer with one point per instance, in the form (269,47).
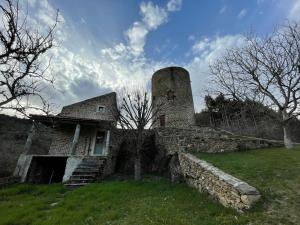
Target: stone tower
(172,86)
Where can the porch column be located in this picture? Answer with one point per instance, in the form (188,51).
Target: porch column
(75,139)
(29,139)
(107,142)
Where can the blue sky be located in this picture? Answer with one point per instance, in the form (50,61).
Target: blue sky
(104,45)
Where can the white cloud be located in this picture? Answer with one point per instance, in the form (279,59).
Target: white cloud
(174,5)
(137,38)
(242,13)
(123,64)
(205,51)
(223,9)
(153,15)
(294,13)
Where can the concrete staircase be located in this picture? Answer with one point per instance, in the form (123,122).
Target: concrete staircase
(88,171)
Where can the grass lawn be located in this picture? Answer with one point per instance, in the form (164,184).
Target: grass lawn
(275,172)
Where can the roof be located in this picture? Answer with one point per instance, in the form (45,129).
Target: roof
(51,119)
(90,99)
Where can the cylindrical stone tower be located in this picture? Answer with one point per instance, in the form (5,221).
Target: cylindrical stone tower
(171,87)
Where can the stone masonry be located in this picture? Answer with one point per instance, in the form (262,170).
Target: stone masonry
(228,190)
(88,109)
(62,141)
(171,87)
(205,139)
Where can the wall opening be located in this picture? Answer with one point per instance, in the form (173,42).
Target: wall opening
(126,156)
(162,120)
(46,169)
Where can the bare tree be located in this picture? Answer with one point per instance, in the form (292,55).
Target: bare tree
(265,69)
(137,112)
(22,70)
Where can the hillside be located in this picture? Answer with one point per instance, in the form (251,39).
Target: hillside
(13,135)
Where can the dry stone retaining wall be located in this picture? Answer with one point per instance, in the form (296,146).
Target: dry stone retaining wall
(204,139)
(228,190)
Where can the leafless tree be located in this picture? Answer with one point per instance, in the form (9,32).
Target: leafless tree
(136,113)
(22,66)
(265,69)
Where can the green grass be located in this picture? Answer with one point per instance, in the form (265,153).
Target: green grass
(275,172)
(111,202)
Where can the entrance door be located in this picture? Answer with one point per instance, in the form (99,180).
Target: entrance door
(99,143)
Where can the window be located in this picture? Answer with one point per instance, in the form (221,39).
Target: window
(162,120)
(170,95)
(101,108)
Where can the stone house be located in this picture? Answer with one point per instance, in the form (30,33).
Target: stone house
(82,140)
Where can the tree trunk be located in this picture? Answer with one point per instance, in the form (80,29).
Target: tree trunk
(137,168)
(286,134)
(286,137)
(137,161)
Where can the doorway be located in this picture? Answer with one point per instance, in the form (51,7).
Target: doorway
(100,143)
(46,169)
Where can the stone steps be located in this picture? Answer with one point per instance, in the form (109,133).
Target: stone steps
(78,176)
(85,171)
(88,171)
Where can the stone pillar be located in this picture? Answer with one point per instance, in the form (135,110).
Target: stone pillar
(75,139)
(107,142)
(29,139)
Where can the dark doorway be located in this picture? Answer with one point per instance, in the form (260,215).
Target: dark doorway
(46,169)
(126,156)
(162,120)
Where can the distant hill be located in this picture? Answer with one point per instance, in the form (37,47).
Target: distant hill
(13,135)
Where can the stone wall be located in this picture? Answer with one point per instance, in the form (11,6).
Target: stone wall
(71,165)
(63,138)
(228,190)
(88,108)
(13,135)
(172,87)
(204,139)
(116,139)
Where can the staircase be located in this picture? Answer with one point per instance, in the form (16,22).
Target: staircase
(88,171)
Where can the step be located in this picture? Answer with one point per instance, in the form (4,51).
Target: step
(83,176)
(93,161)
(86,167)
(79,172)
(90,164)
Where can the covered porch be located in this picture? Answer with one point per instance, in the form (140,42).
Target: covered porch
(76,136)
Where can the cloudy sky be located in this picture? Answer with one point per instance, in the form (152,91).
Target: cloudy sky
(105,45)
